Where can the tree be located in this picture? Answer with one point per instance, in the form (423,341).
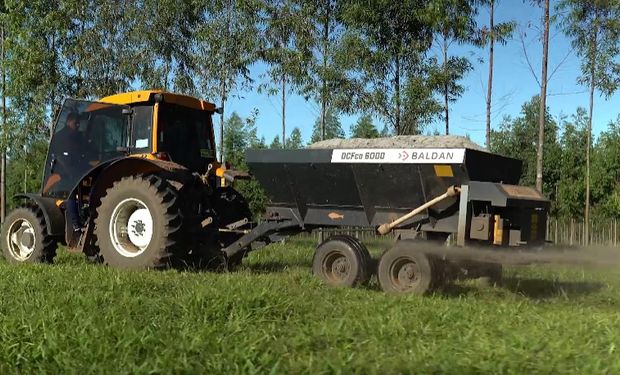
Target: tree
(333,128)
(455,23)
(285,48)
(239,136)
(364,128)
(515,138)
(325,77)
(384,45)
(276,144)
(606,171)
(594,27)
(163,34)
(543,98)
(226,46)
(294,142)
(571,187)
(500,33)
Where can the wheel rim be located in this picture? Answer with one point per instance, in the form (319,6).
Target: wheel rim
(336,267)
(404,273)
(131,227)
(21,239)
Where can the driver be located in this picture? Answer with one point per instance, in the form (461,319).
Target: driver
(70,145)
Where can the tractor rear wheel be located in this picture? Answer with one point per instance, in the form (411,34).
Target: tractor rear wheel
(405,270)
(25,238)
(139,224)
(342,261)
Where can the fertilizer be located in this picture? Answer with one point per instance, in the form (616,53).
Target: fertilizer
(400,141)
(594,256)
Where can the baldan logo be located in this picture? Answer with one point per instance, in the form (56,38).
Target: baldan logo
(335,216)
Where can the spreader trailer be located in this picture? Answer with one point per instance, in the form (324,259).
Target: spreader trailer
(426,197)
(132,181)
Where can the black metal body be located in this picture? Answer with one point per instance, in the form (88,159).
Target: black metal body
(308,188)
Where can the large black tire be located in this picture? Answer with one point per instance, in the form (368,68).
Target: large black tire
(406,270)
(114,221)
(25,238)
(342,261)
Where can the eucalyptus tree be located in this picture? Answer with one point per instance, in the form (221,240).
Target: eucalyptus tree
(226,45)
(325,78)
(455,23)
(364,128)
(333,128)
(286,48)
(162,34)
(384,42)
(543,94)
(495,32)
(99,47)
(594,27)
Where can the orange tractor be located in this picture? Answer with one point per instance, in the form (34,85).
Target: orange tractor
(131,181)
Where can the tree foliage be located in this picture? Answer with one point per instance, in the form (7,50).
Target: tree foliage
(517,138)
(333,128)
(364,128)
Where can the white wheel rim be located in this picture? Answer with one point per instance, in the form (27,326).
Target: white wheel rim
(131,227)
(21,239)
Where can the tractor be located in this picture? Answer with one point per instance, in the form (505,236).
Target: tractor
(131,181)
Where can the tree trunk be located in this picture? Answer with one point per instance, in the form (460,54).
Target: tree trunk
(445,85)
(397,98)
(588,142)
(283,111)
(323,79)
(223,96)
(3,148)
(490,85)
(543,102)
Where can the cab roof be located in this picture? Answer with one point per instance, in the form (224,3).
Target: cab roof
(135,97)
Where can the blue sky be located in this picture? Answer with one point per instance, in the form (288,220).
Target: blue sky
(513,84)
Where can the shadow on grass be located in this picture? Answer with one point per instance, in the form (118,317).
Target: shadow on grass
(275,266)
(545,288)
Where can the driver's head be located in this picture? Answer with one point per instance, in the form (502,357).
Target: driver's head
(73,121)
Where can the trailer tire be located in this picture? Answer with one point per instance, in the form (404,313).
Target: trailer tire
(403,270)
(158,243)
(342,261)
(25,238)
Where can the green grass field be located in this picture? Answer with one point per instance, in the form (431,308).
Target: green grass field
(273,316)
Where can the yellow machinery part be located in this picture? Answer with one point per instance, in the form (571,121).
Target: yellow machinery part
(498,231)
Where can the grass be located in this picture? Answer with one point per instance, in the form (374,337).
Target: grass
(273,316)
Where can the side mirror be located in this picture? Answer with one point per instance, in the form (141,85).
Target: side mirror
(219,110)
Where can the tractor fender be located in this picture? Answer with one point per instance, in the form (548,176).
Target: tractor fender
(105,175)
(53,215)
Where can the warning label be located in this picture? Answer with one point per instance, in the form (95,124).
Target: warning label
(403,156)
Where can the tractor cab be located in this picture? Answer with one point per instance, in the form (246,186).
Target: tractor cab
(149,124)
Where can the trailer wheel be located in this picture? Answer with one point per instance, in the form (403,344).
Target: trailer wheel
(139,224)
(25,239)
(342,261)
(405,270)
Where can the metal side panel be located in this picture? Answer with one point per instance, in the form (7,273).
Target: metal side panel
(463,215)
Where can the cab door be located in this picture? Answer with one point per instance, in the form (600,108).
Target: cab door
(86,134)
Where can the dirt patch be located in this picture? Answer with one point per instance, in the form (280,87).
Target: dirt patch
(400,141)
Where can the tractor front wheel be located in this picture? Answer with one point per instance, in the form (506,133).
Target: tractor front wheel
(25,238)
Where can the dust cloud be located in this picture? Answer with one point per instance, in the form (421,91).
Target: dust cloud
(593,256)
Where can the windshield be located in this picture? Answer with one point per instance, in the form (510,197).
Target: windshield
(185,135)
(86,134)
